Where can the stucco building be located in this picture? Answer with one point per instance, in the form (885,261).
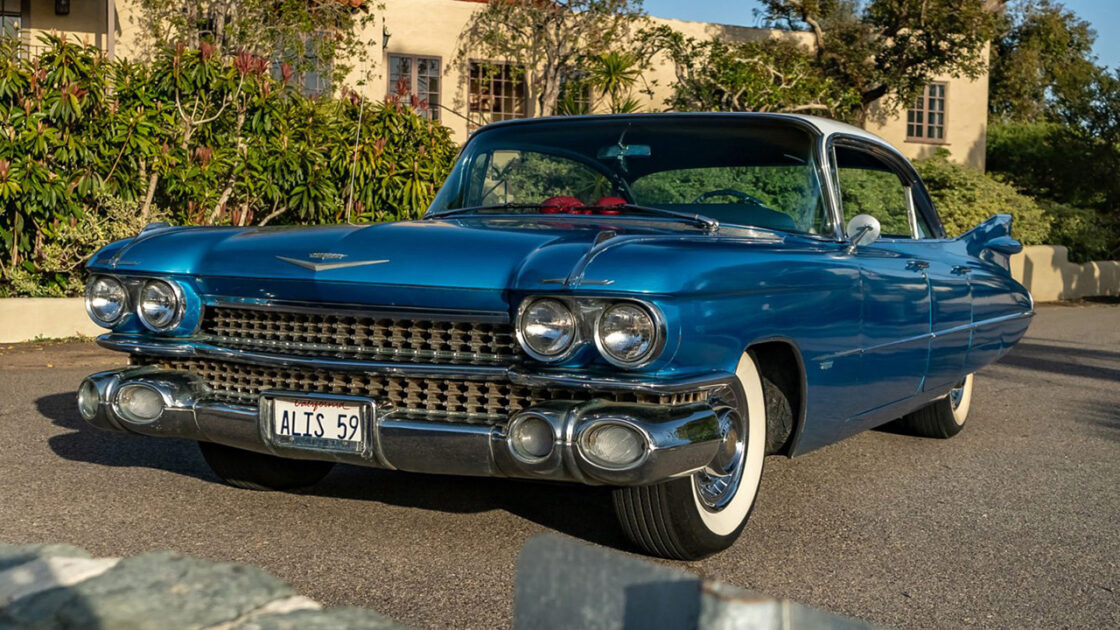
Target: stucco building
(417,44)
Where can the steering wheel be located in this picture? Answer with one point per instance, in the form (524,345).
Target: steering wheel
(730,192)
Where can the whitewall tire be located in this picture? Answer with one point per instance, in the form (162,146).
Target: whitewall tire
(696,516)
(944,417)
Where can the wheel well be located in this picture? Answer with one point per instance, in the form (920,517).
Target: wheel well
(780,363)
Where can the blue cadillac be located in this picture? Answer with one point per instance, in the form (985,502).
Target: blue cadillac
(653,303)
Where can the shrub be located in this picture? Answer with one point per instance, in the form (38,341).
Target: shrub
(215,139)
(59,262)
(1082,230)
(966,196)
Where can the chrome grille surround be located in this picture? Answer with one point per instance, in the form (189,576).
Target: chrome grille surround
(360,336)
(483,401)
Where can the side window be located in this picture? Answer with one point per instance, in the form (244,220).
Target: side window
(922,201)
(869,185)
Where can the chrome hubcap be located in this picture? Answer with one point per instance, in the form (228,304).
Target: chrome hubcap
(716,485)
(956,395)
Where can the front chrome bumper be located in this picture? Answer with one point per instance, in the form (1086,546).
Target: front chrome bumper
(679,439)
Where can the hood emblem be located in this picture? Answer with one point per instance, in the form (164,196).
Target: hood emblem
(327,266)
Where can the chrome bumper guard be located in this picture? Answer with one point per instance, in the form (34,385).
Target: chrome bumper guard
(676,440)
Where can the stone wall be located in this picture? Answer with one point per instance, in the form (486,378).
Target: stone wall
(1049,275)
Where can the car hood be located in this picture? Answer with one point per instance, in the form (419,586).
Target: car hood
(467,255)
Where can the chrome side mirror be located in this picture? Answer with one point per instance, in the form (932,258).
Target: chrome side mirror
(863,229)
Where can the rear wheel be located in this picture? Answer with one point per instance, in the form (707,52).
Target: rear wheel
(257,471)
(943,418)
(696,516)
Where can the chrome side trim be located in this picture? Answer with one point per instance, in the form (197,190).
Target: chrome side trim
(929,335)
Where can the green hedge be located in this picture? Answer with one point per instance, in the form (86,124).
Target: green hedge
(211,138)
(966,196)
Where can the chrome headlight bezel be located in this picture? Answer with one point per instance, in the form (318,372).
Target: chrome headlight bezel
(575,335)
(178,309)
(124,302)
(656,343)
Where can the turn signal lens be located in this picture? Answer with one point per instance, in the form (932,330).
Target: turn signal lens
(106,300)
(88,400)
(613,445)
(160,305)
(547,329)
(531,438)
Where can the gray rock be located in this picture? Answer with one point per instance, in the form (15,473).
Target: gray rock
(333,619)
(15,555)
(153,591)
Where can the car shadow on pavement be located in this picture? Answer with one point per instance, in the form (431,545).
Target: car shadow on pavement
(579,511)
(85,443)
(1063,360)
(1103,416)
(583,512)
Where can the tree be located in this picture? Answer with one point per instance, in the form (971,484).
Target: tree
(1044,54)
(1054,128)
(549,40)
(889,50)
(772,75)
(307,35)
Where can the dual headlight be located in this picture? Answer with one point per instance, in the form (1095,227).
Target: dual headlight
(627,334)
(159,304)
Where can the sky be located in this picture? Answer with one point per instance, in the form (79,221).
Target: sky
(1102,14)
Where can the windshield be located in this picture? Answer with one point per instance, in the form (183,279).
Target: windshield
(754,172)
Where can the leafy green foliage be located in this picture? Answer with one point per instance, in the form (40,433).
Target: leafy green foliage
(1053,130)
(1081,231)
(877,193)
(891,48)
(773,75)
(1044,54)
(307,35)
(58,270)
(966,196)
(549,41)
(215,139)
(1071,173)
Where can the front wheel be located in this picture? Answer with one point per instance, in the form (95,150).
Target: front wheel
(692,517)
(943,418)
(258,471)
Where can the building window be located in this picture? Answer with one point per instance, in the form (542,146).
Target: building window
(10,16)
(416,76)
(925,121)
(496,91)
(575,95)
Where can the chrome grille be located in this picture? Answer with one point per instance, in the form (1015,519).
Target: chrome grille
(372,338)
(479,401)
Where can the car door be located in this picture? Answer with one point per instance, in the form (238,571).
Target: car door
(950,276)
(895,292)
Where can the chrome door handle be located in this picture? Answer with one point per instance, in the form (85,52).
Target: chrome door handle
(962,269)
(917,265)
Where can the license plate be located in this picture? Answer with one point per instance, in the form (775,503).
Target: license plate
(318,423)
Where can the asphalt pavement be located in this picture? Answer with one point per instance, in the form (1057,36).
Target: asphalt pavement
(1013,523)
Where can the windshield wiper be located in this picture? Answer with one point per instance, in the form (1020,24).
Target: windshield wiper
(498,206)
(707,223)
